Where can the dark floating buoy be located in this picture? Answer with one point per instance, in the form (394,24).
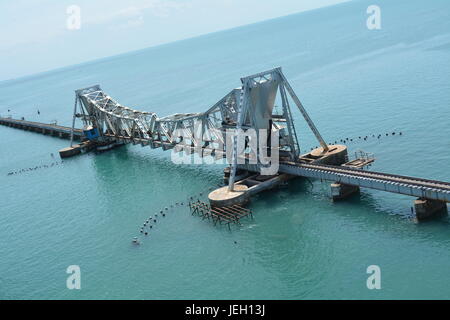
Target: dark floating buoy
(146,233)
(400,133)
(154,220)
(393,133)
(151,227)
(164,214)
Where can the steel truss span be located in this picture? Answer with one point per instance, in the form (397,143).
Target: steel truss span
(250,106)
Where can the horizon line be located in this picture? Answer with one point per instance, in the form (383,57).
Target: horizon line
(87,62)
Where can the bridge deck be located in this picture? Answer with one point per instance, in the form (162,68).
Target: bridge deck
(44,128)
(412,186)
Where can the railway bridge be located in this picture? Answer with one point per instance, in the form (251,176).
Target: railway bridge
(252,129)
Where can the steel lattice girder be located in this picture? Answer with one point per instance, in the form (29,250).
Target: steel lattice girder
(116,121)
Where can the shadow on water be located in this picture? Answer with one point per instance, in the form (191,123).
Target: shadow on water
(126,155)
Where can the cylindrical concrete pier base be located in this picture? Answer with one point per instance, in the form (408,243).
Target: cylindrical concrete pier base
(336,155)
(222,197)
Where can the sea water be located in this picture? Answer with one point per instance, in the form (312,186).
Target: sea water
(300,245)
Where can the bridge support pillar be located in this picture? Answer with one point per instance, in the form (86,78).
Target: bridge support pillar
(341,191)
(426,208)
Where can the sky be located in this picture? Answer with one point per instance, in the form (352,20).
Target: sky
(35,36)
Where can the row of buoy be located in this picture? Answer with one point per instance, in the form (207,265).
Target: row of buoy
(152,220)
(364,138)
(44,166)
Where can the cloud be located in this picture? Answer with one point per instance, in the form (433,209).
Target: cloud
(134,15)
(130,23)
(163,9)
(102,17)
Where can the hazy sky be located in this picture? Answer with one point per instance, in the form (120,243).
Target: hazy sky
(34,36)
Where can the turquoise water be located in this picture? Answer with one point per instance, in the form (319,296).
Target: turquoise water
(353,81)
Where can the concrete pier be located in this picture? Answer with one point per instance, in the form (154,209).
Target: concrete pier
(222,197)
(335,155)
(341,191)
(426,208)
(245,188)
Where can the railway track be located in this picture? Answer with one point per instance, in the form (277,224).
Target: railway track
(383,176)
(412,186)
